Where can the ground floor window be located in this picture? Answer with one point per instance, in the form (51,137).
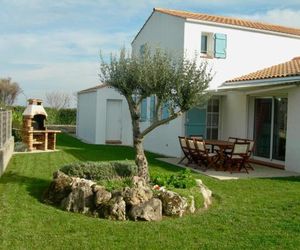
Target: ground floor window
(204,120)
(270,125)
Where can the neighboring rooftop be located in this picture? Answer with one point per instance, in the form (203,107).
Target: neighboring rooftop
(231,21)
(287,69)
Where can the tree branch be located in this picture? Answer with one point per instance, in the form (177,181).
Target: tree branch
(160,122)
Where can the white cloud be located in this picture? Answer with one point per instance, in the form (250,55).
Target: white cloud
(286,17)
(47,45)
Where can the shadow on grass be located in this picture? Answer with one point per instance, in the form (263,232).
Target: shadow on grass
(35,186)
(290,179)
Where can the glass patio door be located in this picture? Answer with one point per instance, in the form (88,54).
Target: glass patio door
(270,123)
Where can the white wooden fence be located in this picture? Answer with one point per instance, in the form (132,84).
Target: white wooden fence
(5,127)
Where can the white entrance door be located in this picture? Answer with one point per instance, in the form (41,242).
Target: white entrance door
(113,120)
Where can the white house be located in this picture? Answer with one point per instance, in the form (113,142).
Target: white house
(232,47)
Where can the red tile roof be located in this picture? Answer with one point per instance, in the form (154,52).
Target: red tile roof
(287,69)
(231,21)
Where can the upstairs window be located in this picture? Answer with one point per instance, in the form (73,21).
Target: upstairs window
(204,38)
(213,45)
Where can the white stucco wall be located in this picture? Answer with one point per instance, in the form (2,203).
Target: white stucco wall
(234,115)
(164,139)
(247,51)
(165,32)
(292,161)
(86,116)
(161,31)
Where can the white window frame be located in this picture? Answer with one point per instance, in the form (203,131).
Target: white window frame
(210,45)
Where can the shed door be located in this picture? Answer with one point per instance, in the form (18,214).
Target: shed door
(114,120)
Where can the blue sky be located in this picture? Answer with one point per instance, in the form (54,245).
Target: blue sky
(49,45)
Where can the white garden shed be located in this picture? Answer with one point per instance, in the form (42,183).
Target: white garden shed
(103,116)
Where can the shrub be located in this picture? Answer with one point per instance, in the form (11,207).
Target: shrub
(184,179)
(115,184)
(99,171)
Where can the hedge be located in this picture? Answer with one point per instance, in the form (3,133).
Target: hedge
(103,170)
(55,117)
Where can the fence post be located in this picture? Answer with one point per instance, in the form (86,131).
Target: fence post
(1,130)
(5,127)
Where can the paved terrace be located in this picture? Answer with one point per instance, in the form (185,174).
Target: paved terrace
(259,171)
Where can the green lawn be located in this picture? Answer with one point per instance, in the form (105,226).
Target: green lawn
(247,214)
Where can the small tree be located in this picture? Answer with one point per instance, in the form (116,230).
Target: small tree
(58,100)
(179,84)
(8,91)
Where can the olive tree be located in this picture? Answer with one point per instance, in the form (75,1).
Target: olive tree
(177,83)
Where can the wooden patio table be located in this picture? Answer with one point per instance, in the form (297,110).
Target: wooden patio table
(223,145)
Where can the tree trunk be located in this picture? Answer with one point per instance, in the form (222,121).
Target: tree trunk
(141,160)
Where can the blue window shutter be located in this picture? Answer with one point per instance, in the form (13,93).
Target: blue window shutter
(142,49)
(220,45)
(152,107)
(144,110)
(165,111)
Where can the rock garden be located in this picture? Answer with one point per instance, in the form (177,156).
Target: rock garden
(111,190)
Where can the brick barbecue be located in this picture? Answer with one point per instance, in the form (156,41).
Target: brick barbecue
(35,134)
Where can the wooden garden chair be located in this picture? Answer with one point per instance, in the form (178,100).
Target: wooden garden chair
(249,154)
(185,150)
(237,158)
(191,143)
(204,155)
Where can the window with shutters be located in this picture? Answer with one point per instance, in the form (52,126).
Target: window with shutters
(142,49)
(143,108)
(152,107)
(213,45)
(165,111)
(220,45)
(207,44)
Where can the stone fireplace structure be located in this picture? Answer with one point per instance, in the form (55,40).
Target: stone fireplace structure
(35,134)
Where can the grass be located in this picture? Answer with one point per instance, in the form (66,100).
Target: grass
(246,214)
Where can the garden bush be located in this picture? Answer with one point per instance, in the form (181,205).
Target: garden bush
(183,179)
(99,171)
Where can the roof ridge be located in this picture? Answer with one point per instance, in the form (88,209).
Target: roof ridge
(235,21)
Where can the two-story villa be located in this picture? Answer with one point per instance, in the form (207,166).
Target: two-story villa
(232,47)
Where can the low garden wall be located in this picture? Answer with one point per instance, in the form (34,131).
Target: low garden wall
(6,139)
(5,154)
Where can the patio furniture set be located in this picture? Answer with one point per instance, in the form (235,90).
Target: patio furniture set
(232,155)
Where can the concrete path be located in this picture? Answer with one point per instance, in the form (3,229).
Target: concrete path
(259,171)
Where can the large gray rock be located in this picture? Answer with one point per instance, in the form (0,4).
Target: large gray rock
(59,188)
(149,211)
(115,209)
(172,203)
(140,192)
(137,195)
(81,198)
(101,195)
